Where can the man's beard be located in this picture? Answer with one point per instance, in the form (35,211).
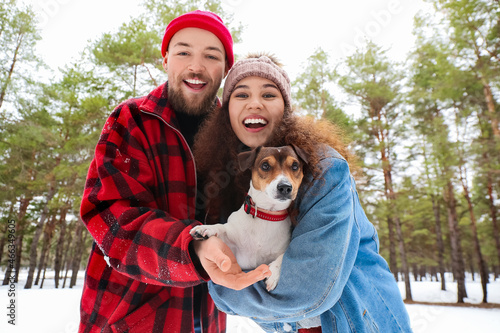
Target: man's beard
(180,103)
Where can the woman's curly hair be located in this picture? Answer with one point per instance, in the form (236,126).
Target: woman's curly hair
(223,186)
(216,149)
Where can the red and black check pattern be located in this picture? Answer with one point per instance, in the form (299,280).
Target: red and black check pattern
(139,205)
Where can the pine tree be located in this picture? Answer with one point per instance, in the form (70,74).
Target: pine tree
(77,108)
(472,30)
(312,92)
(18,36)
(373,80)
(130,52)
(474,35)
(434,91)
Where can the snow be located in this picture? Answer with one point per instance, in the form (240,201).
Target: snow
(51,310)
(438,319)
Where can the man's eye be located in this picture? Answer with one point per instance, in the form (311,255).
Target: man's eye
(265,166)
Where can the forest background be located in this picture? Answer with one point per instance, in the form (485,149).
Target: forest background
(426,133)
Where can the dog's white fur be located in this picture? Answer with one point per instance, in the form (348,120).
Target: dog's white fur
(255,241)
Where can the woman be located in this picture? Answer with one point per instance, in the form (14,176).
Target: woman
(332,275)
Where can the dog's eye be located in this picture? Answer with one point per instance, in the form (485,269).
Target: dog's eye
(265,166)
(295,166)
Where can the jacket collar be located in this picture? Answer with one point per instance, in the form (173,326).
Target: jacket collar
(157,103)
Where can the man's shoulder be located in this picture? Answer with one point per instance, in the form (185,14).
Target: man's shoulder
(157,96)
(154,102)
(132,104)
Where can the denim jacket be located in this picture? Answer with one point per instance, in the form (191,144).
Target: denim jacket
(331,268)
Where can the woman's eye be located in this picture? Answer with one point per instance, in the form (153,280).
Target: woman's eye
(265,166)
(241,95)
(269,95)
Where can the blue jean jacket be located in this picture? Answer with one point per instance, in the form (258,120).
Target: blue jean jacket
(331,268)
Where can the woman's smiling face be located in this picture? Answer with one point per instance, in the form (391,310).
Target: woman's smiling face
(256,106)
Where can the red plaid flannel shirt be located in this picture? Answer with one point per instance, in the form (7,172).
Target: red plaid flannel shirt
(139,205)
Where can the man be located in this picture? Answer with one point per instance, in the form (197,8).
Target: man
(145,272)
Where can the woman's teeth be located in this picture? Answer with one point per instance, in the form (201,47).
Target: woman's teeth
(255,122)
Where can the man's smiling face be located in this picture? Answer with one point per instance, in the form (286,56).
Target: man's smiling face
(195,63)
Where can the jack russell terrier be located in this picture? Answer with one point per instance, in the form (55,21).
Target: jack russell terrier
(259,232)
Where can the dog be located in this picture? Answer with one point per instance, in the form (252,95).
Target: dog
(260,231)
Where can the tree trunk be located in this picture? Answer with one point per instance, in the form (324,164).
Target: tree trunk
(23,207)
(36,237)
(44,268)
(135,82)
(470,261)
(66,275)
(434,276)
(404,264)
(423,273)
(3,92)
(439,240)
(5,231)
(391,197)
(493,213)
(491,107)
(393,260)
(19,249)
(77,257)
(48,232)
(5,234)
(483,270)
(68,253)
(20,234)
(456,248)
(436,208)
(58,261)
(43,276)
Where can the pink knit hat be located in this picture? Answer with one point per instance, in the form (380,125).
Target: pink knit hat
(262,67)
(204,20)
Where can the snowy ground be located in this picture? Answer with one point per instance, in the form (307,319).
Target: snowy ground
(51,310)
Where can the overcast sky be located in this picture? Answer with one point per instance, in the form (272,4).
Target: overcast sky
(291,29)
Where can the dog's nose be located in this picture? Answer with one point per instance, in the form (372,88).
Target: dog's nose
(284,189)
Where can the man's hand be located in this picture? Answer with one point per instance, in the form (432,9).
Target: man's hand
(220,264)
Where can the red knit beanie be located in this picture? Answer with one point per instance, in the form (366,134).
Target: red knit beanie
(204,20)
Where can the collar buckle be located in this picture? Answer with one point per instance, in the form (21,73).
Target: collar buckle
(248,204)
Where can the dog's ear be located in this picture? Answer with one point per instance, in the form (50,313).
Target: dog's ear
(246,159)
(301,153)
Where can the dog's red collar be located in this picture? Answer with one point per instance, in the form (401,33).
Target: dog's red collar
(251,209)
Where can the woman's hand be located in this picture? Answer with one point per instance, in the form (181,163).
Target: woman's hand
(220,264)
